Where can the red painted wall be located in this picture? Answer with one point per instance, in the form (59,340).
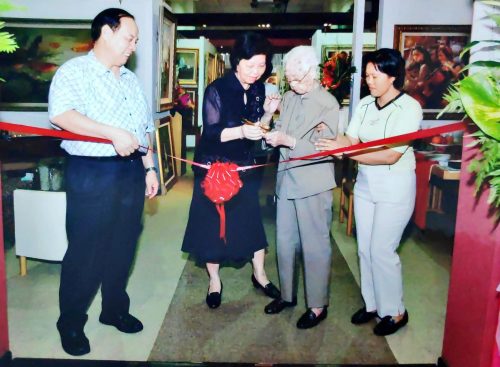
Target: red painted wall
(4,329)
(472,311)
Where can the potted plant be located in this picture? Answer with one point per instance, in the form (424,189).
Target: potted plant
(478,96)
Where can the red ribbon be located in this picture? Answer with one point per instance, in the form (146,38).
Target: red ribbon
(50,132)
(374,143)
(425,133)
(62,134)
(222,181)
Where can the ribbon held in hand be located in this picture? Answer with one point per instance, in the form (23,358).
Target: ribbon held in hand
(220,184)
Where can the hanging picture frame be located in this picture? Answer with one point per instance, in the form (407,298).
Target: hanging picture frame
(44,45)
(166,67)
(210,68)
(191,123)
(165,151)
(186,64)
(432,55)
(329,51)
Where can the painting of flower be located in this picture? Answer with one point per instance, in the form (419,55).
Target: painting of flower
(336,75)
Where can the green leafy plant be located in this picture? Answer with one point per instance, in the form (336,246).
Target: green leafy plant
(7,42)
(478,95)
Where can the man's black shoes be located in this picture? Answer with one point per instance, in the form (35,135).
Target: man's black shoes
(126,323)
(73,340)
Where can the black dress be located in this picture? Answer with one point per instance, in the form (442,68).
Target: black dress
(223,107)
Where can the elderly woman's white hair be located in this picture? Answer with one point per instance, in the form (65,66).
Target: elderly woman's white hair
(301,60)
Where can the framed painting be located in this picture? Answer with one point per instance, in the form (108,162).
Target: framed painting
(186,65)
(166,53)
(210,69)
(44,45)
(191,123)
(329,51)
(432,62)
(165,151)
(220,66)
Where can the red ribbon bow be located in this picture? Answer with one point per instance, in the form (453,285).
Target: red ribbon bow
(220,184)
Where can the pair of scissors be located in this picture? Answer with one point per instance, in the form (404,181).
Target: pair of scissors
(264,128)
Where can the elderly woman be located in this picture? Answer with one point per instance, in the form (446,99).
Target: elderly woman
(304,188)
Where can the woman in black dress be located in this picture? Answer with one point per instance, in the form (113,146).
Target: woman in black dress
(238,95)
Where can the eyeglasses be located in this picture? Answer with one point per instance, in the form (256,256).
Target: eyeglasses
(298,81)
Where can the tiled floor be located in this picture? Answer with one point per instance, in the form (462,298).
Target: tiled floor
(32,300)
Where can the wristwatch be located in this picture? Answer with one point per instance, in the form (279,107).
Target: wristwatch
(152,168)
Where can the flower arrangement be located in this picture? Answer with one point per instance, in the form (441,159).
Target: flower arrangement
(336,75)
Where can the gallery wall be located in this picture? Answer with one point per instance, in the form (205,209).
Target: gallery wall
(393,12)
(421,12)
(320,39)
(146,13)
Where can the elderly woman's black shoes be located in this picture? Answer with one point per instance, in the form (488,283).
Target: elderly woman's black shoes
(278,305)
(269,289)
(309,319)
(214,299)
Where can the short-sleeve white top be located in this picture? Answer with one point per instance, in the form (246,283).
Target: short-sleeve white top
(400,116)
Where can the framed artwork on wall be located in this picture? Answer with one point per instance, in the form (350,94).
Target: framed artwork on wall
(186,65)
(432,62)
(44,45)
(329,51)
(191,121)
(220,66)
(166,53)
(210,69)
(165,150)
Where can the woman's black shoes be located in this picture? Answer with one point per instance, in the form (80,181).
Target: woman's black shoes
(388,325)
(361,316)
(269,289)
(214,299)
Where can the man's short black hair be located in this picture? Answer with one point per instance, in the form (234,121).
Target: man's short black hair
(110,17)
(247,46)
(389,62)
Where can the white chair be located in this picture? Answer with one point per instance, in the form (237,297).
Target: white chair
(40,225)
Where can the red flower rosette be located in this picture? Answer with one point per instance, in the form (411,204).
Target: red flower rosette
(220,184)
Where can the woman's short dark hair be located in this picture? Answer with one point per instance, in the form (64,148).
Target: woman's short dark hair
(247,46)
(110,17)
(389,62)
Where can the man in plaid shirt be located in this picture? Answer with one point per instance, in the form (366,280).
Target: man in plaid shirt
(96,95)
